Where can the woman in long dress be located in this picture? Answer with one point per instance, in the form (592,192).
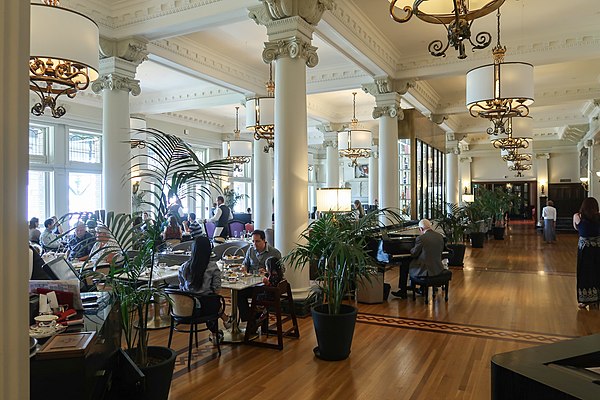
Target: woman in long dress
(587,223)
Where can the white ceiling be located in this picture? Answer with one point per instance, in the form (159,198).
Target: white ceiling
(356,42)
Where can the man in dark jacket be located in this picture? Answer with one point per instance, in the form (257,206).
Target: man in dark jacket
(221,219)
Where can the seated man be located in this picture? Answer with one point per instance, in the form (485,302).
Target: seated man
(192,227)
(81,243)
(427,252)
(49,239)
(254,262)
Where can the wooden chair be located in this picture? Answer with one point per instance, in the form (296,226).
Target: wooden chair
(426,282)
(184,311)
(269,299)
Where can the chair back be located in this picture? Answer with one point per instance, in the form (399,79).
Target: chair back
(182,303)
(209,228)
(236,228)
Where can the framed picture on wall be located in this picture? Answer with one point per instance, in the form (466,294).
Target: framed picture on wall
(361,171)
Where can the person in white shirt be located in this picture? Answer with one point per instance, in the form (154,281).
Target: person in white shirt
(549,216)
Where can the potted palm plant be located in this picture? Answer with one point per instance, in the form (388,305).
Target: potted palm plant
(171,167)
(496,203)
(452,221)
(476,216)
(339,244)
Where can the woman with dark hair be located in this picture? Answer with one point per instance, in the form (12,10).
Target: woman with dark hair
(172,230)
(200,275)
(587,223)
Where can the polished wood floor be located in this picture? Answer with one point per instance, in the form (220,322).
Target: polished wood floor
(512,294)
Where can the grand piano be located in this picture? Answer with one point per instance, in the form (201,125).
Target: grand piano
(393,248)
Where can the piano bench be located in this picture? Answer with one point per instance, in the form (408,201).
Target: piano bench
(425,282)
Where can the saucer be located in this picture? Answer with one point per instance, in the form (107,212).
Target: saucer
(40,332)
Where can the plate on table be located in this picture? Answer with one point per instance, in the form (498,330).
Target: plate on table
(41,332)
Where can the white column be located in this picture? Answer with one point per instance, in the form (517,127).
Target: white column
(289,28)
(452,178)
(332,178)
(373,179)
(14,159)
(387,110)
(263,186)
(312,188)
(117,72)
(465,174)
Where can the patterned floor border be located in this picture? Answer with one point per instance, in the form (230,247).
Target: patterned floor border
(453,328)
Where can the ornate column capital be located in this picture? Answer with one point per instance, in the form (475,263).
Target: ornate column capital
(328,127)
(116,82)
(385,85)
(438,119)
(392,111)
(466,159)
(330,143)
(294,47)
(134,50)
(545,156)
(309,10)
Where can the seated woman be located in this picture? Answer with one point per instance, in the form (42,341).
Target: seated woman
(172,231)
(201,276)
(111,249)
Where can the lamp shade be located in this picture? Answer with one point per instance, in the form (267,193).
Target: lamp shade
(237,148)
(334,199)
(260,112)
(354,139)
(510,80)
(62,34)
(137,123)
(468,198)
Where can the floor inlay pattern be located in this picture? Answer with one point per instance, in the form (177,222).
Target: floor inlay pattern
(453,328)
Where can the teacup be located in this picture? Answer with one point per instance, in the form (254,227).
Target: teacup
(46,320)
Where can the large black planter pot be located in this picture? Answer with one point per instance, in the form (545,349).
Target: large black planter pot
(498,232)
(457,254)
(157,376)
(334,332)
(477,239)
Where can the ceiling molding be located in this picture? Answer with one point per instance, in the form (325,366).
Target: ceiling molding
(205,63)
(192,121)
(345,28)
(157,103)
(340,78)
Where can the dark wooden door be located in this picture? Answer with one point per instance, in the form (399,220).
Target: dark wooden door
(567,198)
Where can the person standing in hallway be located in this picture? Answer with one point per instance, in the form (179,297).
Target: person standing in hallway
(549,216)
(587,223)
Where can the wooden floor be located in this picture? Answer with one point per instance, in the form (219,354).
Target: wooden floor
(512,294)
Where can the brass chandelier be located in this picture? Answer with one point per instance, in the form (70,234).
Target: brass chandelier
(63,55)
(500,91)
(237,151)
(457,17)
(519,167)
(514,155)
(354,143)
(260,114)
(516,130)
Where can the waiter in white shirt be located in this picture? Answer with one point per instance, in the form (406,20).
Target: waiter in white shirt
(549,216)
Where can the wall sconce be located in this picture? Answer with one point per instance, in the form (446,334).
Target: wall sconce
(136,186)
(585,183)
(542,187)
(598,174)
(543,194)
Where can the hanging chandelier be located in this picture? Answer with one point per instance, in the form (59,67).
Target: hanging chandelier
(500,91)
(63,55)
(457,16)
(237,151)
(519,167)
(260,114)
(354,143)
(514,155)
(515,136)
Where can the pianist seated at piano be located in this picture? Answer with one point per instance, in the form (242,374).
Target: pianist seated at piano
(427,252)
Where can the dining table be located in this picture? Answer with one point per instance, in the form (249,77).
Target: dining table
(241,282)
